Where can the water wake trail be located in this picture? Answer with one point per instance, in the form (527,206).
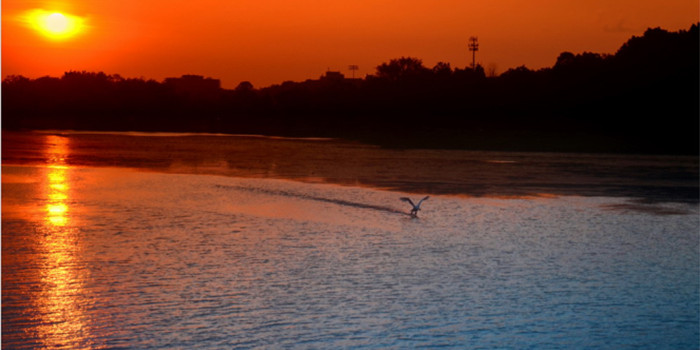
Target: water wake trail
(336,201)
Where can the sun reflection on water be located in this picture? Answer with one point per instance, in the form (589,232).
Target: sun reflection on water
(57,191)
(61,302)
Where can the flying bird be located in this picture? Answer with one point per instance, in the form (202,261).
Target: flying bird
(416,207)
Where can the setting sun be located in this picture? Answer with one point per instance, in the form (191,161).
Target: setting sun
(55,25)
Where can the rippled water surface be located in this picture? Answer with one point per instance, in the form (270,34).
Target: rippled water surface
(112,257)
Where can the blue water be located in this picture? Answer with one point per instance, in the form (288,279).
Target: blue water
(120,241)
(119,258)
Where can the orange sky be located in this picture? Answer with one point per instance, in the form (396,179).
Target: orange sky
(270,41)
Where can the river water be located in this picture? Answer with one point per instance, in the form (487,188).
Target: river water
(221,242)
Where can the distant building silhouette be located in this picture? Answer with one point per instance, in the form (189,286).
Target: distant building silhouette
(195,86)
(333,76)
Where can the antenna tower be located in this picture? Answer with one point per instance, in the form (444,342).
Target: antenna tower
(473,47)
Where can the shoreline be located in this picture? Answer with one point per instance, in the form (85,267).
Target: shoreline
(648,178)
(478,140)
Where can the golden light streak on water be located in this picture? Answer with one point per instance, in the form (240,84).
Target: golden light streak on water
(61,301)
(57,210)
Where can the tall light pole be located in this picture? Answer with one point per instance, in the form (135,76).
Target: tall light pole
(473,47)
(353,68)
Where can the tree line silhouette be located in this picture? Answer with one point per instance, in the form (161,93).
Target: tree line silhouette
(644,98)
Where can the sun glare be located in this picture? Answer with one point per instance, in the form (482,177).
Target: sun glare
(55,25)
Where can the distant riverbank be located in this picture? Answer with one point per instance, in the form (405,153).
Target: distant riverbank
(644,99)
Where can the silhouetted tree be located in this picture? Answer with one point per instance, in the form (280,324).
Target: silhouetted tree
(442,69)
(244,86)
(644,98)
(401,68)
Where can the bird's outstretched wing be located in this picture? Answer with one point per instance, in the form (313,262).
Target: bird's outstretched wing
(421,201)
(406,199)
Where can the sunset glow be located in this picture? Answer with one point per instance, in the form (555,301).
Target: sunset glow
(268,42)
(54,25)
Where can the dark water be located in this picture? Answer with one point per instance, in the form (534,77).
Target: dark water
(647,178)
(114,241)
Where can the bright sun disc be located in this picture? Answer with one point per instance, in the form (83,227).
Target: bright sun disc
(55,25)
